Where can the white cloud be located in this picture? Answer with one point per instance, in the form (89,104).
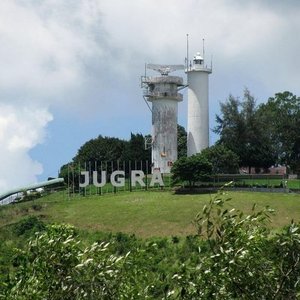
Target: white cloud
(46,47)
(21,129)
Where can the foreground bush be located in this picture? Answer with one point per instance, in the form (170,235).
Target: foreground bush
(55,267)
(233,256)
(245,261)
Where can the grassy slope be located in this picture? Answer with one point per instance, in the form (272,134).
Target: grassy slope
(144,213)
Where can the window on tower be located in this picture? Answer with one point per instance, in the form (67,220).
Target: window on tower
(198,61)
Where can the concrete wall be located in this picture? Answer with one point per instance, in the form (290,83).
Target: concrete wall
(164,133)
(162,92)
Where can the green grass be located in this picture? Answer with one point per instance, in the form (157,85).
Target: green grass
(155,213)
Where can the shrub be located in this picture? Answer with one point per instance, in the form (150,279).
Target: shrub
(244,261)
(29,224)
(192,169)
(55,267)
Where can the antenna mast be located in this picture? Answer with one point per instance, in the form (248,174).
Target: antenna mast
(203,51)
(187,51)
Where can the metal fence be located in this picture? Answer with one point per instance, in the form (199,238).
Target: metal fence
(77,174)
(250,179)
(98,178)
(246,181)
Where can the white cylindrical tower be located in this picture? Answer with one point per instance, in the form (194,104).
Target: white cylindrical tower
(198,107)
(162,92)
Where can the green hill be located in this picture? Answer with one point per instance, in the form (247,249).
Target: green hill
(145,214)
(143,245)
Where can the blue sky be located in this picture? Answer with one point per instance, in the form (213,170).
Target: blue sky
(70,69)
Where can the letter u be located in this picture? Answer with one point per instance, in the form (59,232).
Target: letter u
(95,179)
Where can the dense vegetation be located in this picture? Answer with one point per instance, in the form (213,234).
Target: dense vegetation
(262,135)
(201,166)
(231,256)
(192,169)
(108,149)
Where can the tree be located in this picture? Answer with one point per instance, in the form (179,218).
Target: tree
(281,115)
(243,131)
(223,160)
(71,175)
(182,141)
(105,152)
(135,149)
(192,169)
(110,149)
(101,149)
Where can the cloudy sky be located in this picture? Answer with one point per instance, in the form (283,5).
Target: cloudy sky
(70,69)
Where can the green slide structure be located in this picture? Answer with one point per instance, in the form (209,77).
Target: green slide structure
(30,187)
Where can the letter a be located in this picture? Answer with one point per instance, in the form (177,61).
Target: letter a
(156,178)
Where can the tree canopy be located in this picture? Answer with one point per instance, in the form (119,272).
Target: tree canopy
(223,160)
(281,118)
(192,169)
(113,149)
(105,148)
(182,141)
(243,131)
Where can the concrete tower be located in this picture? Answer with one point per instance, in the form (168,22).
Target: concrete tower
(162,92)
(198,118)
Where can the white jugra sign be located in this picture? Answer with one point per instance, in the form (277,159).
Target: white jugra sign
(117,178)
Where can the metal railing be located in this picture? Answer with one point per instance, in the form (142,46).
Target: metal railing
(75,178)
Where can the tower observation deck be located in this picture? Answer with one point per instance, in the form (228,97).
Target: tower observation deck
(162,93)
